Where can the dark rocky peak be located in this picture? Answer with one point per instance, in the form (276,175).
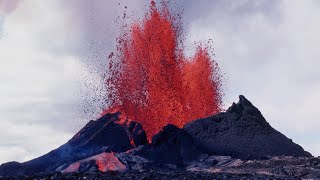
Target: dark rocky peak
(247,114)
(241,132)
(93,126)
(110,130)
(171,145)
(168,132)
(136,133)
(243,106)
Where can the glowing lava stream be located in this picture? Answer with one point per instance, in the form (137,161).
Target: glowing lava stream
(152,82)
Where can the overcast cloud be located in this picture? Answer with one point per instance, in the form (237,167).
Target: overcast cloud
(52,55)
(269,50)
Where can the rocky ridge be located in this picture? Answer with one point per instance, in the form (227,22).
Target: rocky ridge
(241,132)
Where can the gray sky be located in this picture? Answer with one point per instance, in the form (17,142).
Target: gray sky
(52,55)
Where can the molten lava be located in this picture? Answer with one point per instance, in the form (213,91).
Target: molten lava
(105,161)
(151,80)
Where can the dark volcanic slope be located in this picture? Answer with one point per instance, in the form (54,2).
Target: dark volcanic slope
(241,132)
(104,134)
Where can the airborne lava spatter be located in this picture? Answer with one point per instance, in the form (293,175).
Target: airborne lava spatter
(151,80)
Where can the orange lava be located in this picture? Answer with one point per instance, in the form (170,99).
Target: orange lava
(153,82)
(109,162)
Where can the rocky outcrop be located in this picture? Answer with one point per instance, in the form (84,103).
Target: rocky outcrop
(104,162)
(137,133)
(241,132)
(276,167)
(171,145)
(205,167)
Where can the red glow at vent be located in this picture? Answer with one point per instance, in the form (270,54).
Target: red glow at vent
(151,80)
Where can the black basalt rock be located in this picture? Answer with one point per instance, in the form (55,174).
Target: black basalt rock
(12,169)
(241,132)
(171,145)
(139,136)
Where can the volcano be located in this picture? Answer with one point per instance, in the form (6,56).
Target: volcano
(232,143)
(241,132)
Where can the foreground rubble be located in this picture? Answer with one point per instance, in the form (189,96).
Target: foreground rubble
(206,167)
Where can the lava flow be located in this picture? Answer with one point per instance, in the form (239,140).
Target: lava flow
(151,80)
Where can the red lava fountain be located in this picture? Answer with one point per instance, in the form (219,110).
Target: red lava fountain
(151,80)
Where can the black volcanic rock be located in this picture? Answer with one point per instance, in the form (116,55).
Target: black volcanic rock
(225,167)
(172,145)
(103,135)
(104,132)
(138,135)
(12,169)
(241,132)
